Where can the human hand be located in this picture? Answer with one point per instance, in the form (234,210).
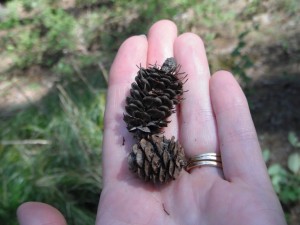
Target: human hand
(214,117)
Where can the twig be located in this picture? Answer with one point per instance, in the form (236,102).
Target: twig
(26,142)
(104,71)
(163,205)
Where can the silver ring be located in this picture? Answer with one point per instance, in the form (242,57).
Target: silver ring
(205,159)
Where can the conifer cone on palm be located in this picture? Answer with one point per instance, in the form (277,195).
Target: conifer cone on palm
(153,98)
(157,159)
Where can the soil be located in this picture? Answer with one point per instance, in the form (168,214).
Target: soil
(273,93)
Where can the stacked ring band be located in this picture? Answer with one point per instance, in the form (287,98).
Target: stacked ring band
(205,159)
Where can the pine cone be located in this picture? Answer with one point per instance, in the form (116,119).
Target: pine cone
(157,159)
(152,98)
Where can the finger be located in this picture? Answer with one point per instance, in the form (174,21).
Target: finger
(197,123)
(36,213)
(240,150)
(117,141)
(161,39)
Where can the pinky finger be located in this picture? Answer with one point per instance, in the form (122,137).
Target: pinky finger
(240,150)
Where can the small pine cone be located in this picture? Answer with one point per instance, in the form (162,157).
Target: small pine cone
(157,159)
(152,98)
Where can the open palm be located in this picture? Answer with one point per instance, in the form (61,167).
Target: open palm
(214,117)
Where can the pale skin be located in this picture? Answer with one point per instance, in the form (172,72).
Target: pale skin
(214,117)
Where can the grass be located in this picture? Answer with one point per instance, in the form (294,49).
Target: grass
(65,172)
(78,46)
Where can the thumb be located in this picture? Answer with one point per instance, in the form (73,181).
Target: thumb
(36,213)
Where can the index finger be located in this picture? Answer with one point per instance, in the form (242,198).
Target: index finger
(117,140)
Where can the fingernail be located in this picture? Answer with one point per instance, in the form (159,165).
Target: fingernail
(143,35)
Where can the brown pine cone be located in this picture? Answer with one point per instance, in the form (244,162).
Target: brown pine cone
(152,98)
(157,159)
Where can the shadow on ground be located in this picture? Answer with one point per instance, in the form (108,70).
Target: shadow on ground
(274,102)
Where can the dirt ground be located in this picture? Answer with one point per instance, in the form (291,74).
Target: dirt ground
(273,93)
